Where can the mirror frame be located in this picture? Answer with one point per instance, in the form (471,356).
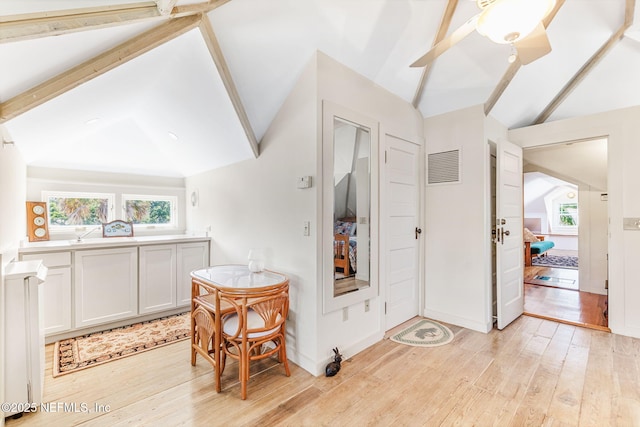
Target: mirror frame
(331,111)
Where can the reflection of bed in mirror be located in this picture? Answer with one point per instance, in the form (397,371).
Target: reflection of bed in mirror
(345,247)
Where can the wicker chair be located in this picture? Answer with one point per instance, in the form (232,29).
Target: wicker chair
(254,330)
(204,324)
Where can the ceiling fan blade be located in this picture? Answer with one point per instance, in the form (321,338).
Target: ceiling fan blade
(441,47)
(534,46)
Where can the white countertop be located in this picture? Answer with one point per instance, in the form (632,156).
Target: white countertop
(95,243)
(24,269)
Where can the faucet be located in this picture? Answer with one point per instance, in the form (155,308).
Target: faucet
(85,234)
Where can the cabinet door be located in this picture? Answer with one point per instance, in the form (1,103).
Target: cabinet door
(106,285)
(56,290)
(157,278)
(191,256)
(56,300)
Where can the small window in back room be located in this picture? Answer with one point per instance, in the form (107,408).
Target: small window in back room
(150,210)
(74,209)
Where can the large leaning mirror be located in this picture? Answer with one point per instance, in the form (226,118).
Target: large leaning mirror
(349,210)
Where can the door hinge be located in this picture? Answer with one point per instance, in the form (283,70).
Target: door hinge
(385,307)
(385,157)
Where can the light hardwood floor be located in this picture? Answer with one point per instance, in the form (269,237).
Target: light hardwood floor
(554,302)
(535,372)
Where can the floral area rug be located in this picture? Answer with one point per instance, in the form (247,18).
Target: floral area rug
(82,352)
(424,333)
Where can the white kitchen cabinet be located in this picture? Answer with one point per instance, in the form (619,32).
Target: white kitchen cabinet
(56,291)
(165,280)
(157,278)
(97,284)
(191,256)
(105,285)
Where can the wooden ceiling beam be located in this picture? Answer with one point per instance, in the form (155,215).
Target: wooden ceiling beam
(97,66)
(445,22)
(216,54)
(44,24)
(589,65)
(514,67)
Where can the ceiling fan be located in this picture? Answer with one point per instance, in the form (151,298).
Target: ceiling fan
(515,22)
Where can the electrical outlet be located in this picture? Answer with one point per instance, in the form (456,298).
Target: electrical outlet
(345,314)
(366,305)
(307,228)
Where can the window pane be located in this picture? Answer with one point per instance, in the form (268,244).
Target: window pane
(148,211)
(78,211)
(568,214)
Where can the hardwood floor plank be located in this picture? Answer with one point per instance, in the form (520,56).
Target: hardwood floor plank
(566,401)
(598,390)
(567,306)
(538,396)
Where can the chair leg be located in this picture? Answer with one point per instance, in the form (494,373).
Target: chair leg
(244,370)
(283,356)
(216,357)
(193,340)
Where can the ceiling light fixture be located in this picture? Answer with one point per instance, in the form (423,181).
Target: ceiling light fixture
(507,21)
(173,136)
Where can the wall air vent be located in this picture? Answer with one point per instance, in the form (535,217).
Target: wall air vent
(443,167)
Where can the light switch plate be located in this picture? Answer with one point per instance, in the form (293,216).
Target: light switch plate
(631,224)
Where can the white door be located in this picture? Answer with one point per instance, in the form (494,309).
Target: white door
(509,223)
(401,205)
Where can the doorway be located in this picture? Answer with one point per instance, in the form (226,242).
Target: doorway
(568,176)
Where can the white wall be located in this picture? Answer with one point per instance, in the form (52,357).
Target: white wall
(256,204)
(340,85)
(622,128)
(593,240)
(457,222)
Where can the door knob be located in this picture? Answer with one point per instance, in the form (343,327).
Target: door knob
(503,233)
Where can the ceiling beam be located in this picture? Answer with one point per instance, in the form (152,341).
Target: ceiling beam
(96,66)
(445,22)
(589,65)
(216,54)
(54,23)
(514,67)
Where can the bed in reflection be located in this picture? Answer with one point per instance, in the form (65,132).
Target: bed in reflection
(345,247)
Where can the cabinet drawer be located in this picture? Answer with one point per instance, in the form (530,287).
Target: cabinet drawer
(50,259)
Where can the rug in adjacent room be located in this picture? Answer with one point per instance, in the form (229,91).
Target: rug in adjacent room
(83,352)
(424,333)
(555,261)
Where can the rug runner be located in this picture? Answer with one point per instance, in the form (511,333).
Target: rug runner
(555,261)
(73,354)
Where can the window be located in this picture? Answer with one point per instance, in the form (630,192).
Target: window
(150,210)
(568,214)
(71,209)
(563,207)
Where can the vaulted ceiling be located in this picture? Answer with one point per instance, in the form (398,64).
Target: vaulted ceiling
(132,87)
